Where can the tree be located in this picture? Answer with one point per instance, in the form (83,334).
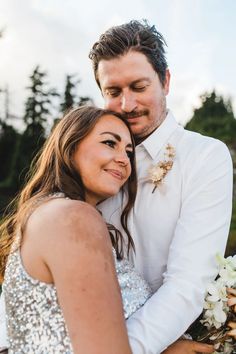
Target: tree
(8,142)
(85,101)
(39,103)
(214,118)
(37,111)
(69,97)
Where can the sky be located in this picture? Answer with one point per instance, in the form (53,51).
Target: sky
(58,34)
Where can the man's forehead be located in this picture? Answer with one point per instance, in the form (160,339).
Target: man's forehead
(124,70)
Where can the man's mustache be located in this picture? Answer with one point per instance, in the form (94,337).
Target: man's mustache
(135,114)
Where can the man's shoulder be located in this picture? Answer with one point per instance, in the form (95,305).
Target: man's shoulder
(194,141)
(194,149)
(189,141)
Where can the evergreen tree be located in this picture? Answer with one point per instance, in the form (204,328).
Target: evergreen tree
(8,142)
(214,118)
(69,97)
(85,101)
(39,103)
(37,111)
(9,139)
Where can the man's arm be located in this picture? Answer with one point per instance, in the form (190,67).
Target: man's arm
(200,233)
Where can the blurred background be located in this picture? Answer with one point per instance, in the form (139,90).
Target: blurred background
(44,70)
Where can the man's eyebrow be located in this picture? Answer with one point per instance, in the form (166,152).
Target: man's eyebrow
(140,80)
(111,87)
(116,136)
(116,87)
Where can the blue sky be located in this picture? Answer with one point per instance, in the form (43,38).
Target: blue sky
(57,34)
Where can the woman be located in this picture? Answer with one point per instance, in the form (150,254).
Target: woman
(60,282)
(61,257)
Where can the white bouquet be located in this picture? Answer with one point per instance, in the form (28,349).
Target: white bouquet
(218,317)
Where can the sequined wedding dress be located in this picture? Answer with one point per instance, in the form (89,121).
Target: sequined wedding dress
(35,323)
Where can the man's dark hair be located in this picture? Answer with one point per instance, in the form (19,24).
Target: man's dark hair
(132,36)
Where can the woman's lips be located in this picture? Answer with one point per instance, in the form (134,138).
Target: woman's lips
(115,173)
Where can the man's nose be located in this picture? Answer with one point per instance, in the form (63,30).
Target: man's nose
(128,102)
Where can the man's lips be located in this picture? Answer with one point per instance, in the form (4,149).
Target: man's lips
(115,173)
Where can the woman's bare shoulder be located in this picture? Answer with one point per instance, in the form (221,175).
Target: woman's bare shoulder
(65,218)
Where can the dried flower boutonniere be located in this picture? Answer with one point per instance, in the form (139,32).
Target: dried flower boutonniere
(158,172)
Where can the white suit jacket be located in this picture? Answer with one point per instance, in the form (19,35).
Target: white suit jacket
(177,231)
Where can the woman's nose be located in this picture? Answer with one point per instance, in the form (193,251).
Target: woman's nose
(122,158)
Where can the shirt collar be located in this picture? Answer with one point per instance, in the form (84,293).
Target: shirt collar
(158,138)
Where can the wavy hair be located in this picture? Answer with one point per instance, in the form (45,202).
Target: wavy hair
(52,171)
(132,36)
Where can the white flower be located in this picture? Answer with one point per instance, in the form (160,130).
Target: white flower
(219,313)
(214,314)
(216,291)
(156,174)
(226,262)
(228,276)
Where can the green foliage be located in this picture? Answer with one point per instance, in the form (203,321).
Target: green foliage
(231,245)
(39,103)
(17,150)
(69,97)
(29,144)
(8,142)
(37,111)
(214,118)
(85,101)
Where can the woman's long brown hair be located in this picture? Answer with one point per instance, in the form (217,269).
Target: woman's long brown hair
(52,171)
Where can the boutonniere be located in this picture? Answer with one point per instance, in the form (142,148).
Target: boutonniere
(158,172)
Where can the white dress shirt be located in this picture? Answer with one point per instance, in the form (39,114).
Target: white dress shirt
(177,231)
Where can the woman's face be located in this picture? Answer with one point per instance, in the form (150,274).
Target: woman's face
(103,159)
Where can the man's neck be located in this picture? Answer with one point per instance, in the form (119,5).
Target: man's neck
(139,139)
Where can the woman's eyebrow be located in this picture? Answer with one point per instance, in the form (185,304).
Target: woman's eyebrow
(117,137)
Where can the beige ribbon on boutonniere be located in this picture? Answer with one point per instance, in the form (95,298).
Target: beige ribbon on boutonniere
(158,172)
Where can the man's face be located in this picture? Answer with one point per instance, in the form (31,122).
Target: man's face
(130,86)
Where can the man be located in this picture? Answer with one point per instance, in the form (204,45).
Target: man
(180,226)
(182,211)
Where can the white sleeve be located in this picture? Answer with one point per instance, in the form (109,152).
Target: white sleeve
(201,232)
(3,329)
